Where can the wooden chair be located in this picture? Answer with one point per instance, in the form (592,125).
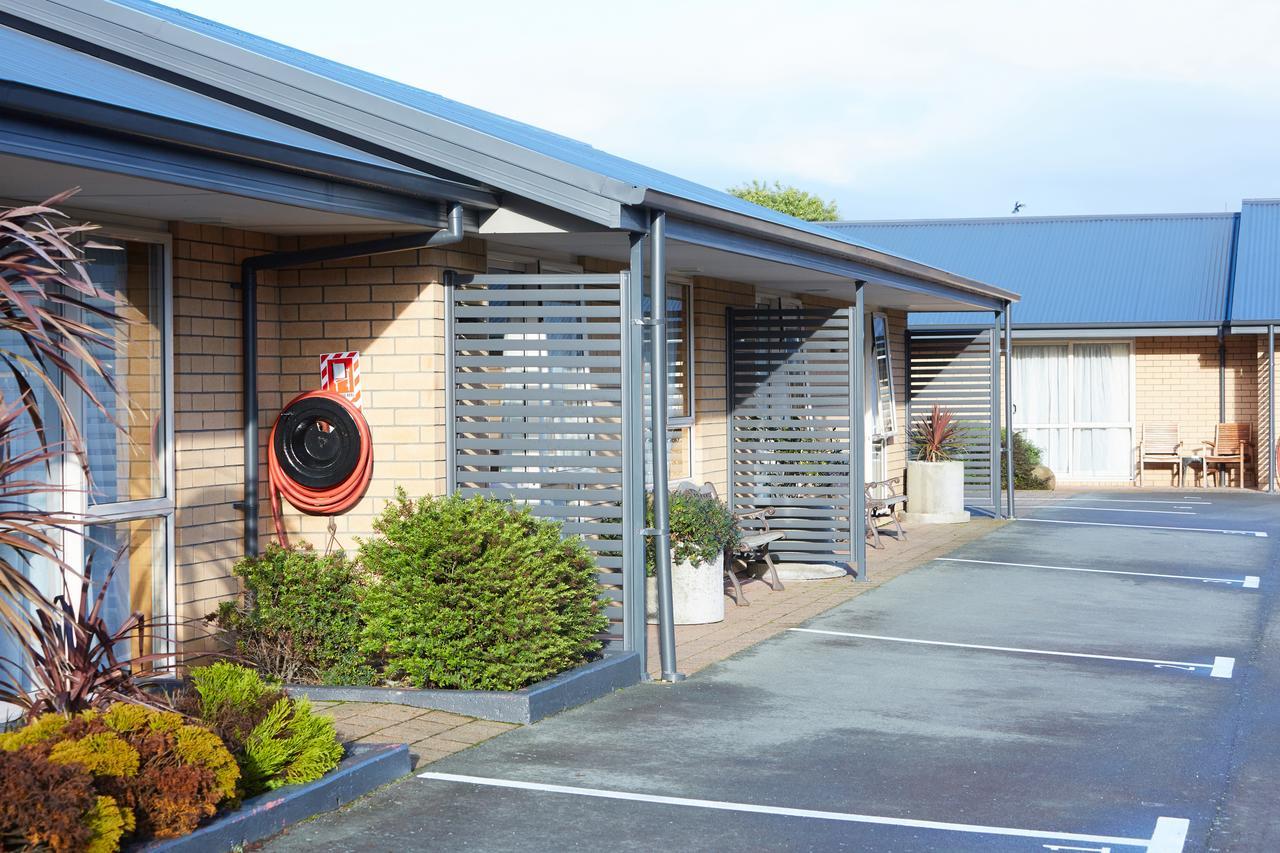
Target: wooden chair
(753,543)
(883,501)
(1232,445)
(1160,445)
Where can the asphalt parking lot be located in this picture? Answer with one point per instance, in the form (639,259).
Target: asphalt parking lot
(1103,684)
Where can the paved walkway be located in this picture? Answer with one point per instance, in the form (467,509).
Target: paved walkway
(1106,683)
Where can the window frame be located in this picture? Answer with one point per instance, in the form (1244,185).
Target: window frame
(1071,425)
(75,498)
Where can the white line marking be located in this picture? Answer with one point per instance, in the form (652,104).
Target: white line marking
(1170,835)
(1217,668)
(1261,534)
(1195,501)
(1114,509)
(847,817)
(1248,582)
(1223,667)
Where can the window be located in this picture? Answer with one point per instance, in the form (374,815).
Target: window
(884,407)
(129,494)
(1075,402)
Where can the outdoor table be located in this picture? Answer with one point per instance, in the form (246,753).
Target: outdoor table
(1191,462)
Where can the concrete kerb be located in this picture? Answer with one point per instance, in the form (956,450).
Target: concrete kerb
(366,768)
(578,686)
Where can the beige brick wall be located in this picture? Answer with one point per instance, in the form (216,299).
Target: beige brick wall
(1176,381)
(389,307)
(1265,444)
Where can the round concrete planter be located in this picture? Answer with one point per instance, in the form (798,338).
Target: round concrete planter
(935,493)
(697,593)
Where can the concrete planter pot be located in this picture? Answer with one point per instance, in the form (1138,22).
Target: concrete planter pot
(697,591)
(935,493)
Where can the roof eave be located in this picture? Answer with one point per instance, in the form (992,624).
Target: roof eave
(832,246)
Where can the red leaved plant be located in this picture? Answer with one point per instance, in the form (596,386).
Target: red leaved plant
(937,437)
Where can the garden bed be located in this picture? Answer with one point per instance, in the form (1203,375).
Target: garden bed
(582,684)
(365,767)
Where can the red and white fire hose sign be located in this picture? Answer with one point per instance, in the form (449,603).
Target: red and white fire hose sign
(340,373)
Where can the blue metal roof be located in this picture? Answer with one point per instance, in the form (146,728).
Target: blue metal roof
(1141,270)
(43,64)
(1257,290)
(526,136)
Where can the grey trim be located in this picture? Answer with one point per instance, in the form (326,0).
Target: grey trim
(1271,409)
(366,768)
(45,105)
(24,137)
(634,633)
(857,432)
(1087,332)
(658,403)
(782,245)
(995,414)
(586,683)
(1008,411)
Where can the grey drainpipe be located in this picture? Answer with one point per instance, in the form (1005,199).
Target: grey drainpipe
(1225,328)
(249,268)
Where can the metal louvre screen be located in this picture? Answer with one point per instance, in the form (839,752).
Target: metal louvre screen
(536,395)
(953,369)
(789,427)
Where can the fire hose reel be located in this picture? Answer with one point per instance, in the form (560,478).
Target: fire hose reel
(319,458)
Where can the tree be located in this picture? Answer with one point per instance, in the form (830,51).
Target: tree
(787,199)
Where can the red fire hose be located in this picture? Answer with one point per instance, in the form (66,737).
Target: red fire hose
(319,457)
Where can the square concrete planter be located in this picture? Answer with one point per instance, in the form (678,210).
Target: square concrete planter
(935,493)
(591,680)
(365,768)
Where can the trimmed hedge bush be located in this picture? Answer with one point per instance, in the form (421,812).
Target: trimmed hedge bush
(300,620)
(476,594)
(1026,457)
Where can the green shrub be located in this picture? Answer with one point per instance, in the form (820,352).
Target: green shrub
(300,620)
(702,527)
(1026,456)
(275,739)
(476,594)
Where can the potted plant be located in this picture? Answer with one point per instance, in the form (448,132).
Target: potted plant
(935,476)
(702,528)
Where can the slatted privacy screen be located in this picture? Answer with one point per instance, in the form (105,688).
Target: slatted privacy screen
(536,394)
(789,427)
(952,369)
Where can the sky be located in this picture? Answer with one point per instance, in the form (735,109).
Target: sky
(893,108)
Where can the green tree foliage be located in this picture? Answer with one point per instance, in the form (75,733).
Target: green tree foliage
(476,594)
(787,199)
(1026,457)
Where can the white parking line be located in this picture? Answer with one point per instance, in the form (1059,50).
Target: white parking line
(1115,509)
(1220,668)
(1261,534)
(1195,501)
(1169,835)
(1247,582)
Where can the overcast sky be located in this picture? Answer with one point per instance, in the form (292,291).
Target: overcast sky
(896,109)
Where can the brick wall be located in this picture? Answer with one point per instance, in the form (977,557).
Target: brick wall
(1177,382)
(389,307)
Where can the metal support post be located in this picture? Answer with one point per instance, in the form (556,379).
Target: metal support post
(1008,407)
(661,533)
(857,433)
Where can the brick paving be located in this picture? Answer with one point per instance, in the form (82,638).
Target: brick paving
(430,734)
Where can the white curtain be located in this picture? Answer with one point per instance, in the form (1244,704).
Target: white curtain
(1102,397)
(1041,390)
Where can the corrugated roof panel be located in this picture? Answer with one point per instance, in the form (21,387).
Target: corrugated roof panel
(43,64)
(1257,291)
(1078,269)
(562,148)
